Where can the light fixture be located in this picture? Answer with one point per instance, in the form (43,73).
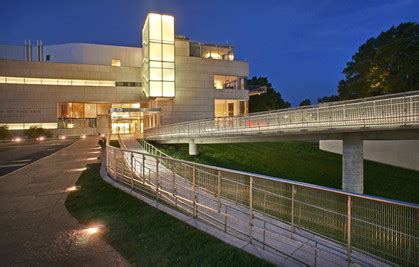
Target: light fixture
(62,137)
(83,136)
(92,230)
(17,139)
(72,188)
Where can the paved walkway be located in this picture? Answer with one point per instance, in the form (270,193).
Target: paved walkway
(36,229)
(301,247)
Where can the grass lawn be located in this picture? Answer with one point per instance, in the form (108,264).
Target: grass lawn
(144,235)
(304,162)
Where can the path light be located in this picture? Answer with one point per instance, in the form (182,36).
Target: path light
(83,136)
(41,138)
(72,188)
(63,137)
(17,139)
(94,229)
(102,135)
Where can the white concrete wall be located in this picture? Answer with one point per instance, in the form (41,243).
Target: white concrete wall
(404,153)
(15,52)
(94,54)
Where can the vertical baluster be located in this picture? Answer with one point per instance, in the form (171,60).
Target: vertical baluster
(250,209)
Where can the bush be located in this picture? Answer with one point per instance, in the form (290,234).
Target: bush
(4,132)
(35,132)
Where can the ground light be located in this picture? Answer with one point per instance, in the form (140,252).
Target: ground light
(83,136)
(17,139)
(94,229)
(41,138)
(62,137)
(72,188)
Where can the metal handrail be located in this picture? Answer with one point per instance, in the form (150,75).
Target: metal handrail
(392,110)
(304,206)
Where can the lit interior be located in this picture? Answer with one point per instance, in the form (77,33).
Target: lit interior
(159,55)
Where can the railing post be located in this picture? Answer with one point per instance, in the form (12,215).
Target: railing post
(349,230)
(219,190)
(107,158)
(193,191)
(293,191)
(132,170)
(157,179)
(225,219)
(143,169)
(174,183)
(251,208)
(122,163)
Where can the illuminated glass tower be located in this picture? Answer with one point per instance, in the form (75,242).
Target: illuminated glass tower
(159,56)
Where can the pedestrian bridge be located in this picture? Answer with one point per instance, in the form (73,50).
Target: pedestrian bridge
(387,117)
(391,117)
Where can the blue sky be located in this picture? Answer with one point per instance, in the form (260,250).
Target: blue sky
(301,46)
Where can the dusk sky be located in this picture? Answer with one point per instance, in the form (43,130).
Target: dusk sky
(301,46)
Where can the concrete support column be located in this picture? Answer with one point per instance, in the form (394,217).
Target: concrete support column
(193,148)
(353,164)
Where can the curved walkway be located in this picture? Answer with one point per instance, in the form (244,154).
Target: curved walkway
(36,228)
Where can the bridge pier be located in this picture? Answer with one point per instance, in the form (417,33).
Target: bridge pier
(353,164)
(193,148)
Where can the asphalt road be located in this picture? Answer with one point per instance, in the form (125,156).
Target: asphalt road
(14,156)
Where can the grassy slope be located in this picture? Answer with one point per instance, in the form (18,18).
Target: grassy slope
(144,235)
(303,161)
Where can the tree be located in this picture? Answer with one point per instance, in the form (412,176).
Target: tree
(326,99)
(270,100)
(4,132)
(383,65)
(305,102)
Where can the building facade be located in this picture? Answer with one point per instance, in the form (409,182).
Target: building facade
(88,88)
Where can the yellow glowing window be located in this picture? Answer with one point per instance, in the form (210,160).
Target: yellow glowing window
(155,74)
(168,74)
(78,82)
(64,82)
(33,81)
(155,51)
(2,79)
(168,28)
(155,26)
(168,52)
(92,83)
(49,81)
(155,88)
(15,80)
(116,63)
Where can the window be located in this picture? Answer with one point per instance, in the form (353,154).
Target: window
(228,82)
(116,63)
(229,107)
(47,58)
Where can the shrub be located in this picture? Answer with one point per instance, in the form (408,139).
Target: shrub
(35,131)
(4,132)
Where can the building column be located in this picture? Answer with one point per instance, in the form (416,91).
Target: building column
(193,148)
(353,164)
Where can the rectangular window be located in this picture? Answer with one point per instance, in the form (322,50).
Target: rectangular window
(228,82)
(116,63)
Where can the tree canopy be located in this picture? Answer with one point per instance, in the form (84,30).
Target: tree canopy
(305,102)
(270,100)
(384,65)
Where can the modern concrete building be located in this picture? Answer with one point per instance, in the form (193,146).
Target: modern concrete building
(88,88)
